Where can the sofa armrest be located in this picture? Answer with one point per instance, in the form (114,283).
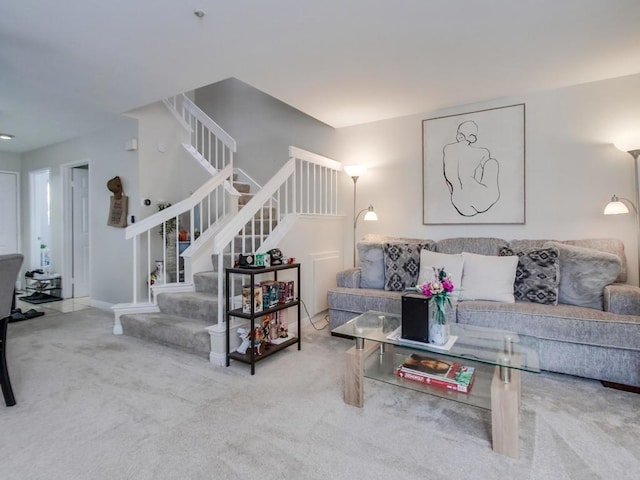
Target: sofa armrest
(349,278)
(622,298)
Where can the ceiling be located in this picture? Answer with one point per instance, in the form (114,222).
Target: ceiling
(70,67)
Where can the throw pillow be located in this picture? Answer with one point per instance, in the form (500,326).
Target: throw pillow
(401,265)
(371,265)
(371,257)
(452,264)
(537,274)
(487,277)
(584,273)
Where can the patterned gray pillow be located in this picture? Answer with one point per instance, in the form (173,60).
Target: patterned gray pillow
(401,265)
(537,274)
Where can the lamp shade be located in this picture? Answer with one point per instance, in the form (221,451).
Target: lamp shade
(628,144)
(615,207)
(355,170)
(370,216)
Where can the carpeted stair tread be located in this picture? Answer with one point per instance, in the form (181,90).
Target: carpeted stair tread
(174,331)
(242,187)
(206,282)
(202,306)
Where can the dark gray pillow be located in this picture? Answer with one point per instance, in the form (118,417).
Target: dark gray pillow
(401,265)
(584,273)
(537,274)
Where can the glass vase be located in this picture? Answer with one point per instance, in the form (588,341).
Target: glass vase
(438,326)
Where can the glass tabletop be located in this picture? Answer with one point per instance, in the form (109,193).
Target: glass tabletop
(478,344)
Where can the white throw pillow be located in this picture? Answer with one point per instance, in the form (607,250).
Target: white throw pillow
(452,264)
(488,278)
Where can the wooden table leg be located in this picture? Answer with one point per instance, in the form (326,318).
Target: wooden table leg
(505,412)
(354,372)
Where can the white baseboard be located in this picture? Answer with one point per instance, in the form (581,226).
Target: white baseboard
(101,305)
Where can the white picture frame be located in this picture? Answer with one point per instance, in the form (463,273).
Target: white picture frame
(474,167)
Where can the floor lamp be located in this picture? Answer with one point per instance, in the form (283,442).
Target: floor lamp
(616,205)
(355,172)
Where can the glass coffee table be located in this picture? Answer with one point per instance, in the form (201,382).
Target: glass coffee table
(498,357)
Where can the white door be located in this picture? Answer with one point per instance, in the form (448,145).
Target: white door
(9,213)
(80,230)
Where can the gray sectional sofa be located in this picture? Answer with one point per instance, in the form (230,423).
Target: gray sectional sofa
(599,341)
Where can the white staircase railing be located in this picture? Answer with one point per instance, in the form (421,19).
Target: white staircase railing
(306,185)
(208,142)
(162,235)
(184,223)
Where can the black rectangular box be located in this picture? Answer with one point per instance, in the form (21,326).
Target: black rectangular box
(415,317)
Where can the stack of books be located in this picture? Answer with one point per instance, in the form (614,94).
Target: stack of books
(437,372)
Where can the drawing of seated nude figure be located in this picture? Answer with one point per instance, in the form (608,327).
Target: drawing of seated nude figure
(470,172)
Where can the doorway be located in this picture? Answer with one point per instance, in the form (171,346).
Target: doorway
(39,243)
(76,223)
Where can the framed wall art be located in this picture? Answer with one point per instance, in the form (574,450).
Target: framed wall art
(474,167)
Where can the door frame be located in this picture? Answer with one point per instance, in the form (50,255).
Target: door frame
(18,217)
(67,226)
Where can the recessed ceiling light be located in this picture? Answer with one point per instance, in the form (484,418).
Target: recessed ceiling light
(5,136)
(199,13)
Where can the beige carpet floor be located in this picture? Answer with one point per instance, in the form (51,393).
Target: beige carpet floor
(96,406)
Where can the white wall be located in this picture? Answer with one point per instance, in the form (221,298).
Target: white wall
(263,126)
(315,242)
(167,172)
(111,254)
(572,167)
(10,162)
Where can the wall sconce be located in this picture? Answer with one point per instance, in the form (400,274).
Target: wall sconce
(355,172)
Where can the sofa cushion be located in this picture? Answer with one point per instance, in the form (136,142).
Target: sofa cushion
(452,264)
(537,274)
(487,277)
(565,323)
(481,246)
(584,272)
(401,265)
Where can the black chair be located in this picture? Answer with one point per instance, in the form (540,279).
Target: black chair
(9,268)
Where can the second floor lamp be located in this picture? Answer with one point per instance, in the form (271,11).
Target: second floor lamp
(616,205)
(355,172)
